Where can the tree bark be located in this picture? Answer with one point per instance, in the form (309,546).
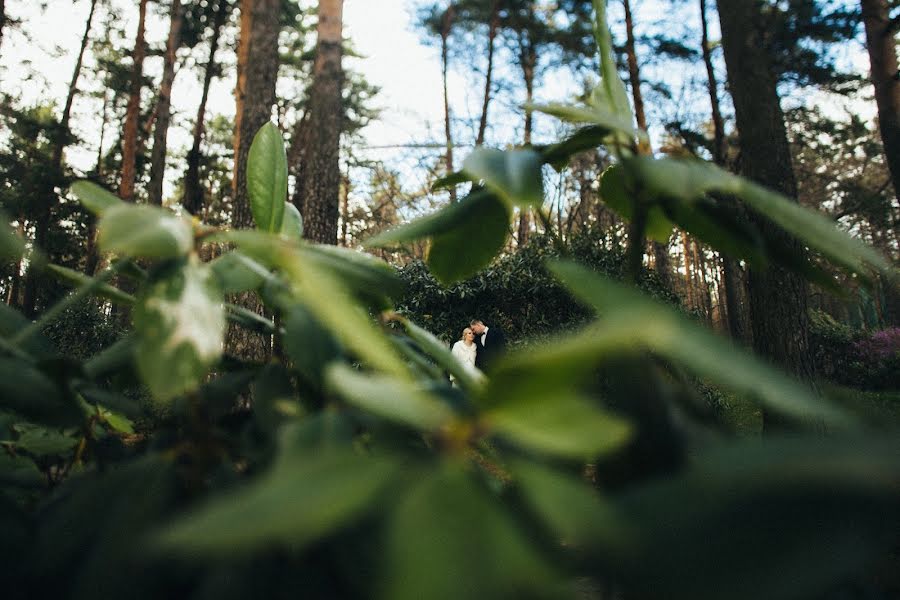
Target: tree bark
(446,25)
(158,154)
(881,44)
(319,183)
(193,192)
(778,298)
(258,64)
(2,19)
(528,62)
(493,25)
(713,87)
(133,110)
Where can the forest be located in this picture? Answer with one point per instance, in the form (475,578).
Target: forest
(241,240)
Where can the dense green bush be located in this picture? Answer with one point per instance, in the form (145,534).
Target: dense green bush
(516,292)
(861,359)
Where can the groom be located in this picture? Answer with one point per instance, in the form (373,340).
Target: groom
(490,343)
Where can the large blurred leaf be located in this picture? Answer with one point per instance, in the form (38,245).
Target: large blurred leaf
(690,180)
(632,321)
(571,508)
(13,322)
(324,294)
(389,398)
(180,321)
(144,231)
(370,278)
(31,393)
(560,424)
(78,279)
(614,191)
(292,225)
(12,246)
(267,176)
(611,91)
(238,273)
(777,518)
(595,115)
(41,441)
(449,539)
(515,174)
(94,198)
(305,497)
(464,251)
(587,138)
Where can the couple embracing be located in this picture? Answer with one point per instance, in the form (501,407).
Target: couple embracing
(479,347)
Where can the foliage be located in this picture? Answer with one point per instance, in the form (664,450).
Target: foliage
(864,360)
(354,470)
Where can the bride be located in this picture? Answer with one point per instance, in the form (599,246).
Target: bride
(464,350)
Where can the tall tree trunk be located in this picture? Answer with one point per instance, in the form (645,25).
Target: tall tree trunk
(493,25)
(688,271)
(158,154)
(881,44)
(258,63)
(193,192)
(2,19)
(446,25)
(42,215)
(660,250)
(320,183)
(713,87)
(345,207)
(778,298)
(528,61)
(133,111)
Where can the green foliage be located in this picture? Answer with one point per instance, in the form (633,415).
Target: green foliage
(347,466)
(267,179)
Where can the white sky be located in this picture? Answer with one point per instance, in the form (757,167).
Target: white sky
(407,72)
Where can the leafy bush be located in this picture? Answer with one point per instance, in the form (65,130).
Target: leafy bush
(356,471)
(859,359)
(517,292)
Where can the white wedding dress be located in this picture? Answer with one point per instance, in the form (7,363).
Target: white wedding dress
(465,354)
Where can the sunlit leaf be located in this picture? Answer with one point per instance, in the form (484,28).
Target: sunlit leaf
(292,225)
(94,198)
(560,424)
(614,191)
(514,174)
(238,273)
(267,176)
(392,399)
(181,325)
(144,231)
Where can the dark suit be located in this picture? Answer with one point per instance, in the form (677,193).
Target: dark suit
(493,347)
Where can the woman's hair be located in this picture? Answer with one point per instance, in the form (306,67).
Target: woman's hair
(463,336)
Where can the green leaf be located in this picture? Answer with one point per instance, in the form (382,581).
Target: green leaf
(613,89)
(305,497)
(595,115)
(117,422)
(392,399)
(292,225)
(31,393)
(571,508)
(44,442)
(587,138)
(13,322)
(12,246)
(267,176)
(690,180)
(144,231)
(514,174)
(308,344)
(560,424)
(180,321)
(238,273)
(20,471)
(631,321)
(324,295)
(451,180)
(449,539)
(462,252)
(94,198)
(615,192)
(371,279)
(821,510)
(78,279)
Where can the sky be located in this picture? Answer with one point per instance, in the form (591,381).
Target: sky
(393,58)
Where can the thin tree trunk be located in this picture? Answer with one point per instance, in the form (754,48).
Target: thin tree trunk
(881,43)
(688,271)
(193,192)
(528,60)
(133,111)
(73,89)
(700,262)
(158,154)
(713,87)
(446,24)
(345,207)
(778,298)
(320,184)
(493,25)
(2,19)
